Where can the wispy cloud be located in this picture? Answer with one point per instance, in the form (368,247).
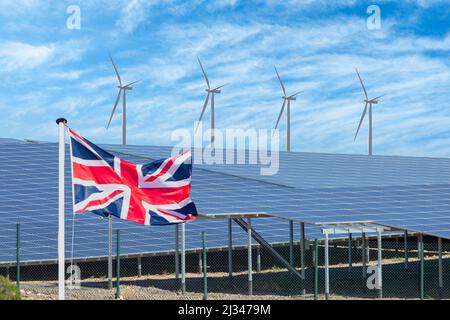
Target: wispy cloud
(239,42)
(18,55)
(18,6)
(22,56)
(136,12)
(223,3)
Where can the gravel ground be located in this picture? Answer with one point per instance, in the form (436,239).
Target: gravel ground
(149,287)
(271,284)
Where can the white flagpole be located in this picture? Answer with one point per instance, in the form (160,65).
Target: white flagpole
(183,258)
(61,260)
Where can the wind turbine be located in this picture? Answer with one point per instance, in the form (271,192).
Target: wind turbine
(123,88)
(368,103)
(211,92)
(286,100)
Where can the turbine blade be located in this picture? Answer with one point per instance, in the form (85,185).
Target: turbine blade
(281,113)
(378,97)
(281,82)
(130,84)
(204,73)
(220,86)
(115,69)
(114,108)
(362,84)
(361,120)
(203,111)
(293,95)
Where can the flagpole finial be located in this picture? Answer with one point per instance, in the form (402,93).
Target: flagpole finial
(64,120)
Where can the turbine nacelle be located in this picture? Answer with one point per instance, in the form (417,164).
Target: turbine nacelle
(125,88)
(213,90)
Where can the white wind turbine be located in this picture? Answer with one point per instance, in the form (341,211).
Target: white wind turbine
(368,103)
(286,100)
(211,92)
(123,88)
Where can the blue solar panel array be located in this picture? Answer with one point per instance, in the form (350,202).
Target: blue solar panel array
(321,170)
(28,193)
(399,191)
(410,193)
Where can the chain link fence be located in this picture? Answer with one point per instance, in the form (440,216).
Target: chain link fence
(352,270)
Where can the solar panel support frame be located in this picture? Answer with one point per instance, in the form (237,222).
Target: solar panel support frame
(231,215)
(249,257)
(291,243)
(177,252)
(350,258)
(405,244)
(110,252)
(302,249)
(230,252)
(421,266)
(302,257)
(327,268)
(241,222)
(258,258)
(363,254)
(380,264)
(139,266)
(440,269)
(334,228)
(348,228)
(200,263)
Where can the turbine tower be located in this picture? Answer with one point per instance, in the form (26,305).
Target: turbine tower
(210,92)
(123,88)
(286,100)
(368,103)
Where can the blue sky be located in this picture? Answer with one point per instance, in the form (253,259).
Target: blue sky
(49,71)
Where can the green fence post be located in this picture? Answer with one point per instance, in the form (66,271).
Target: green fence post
(118,265)
(205,274)
(422,269)
(18,255)
(316,269)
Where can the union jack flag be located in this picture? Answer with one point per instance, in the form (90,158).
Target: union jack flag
(154,193)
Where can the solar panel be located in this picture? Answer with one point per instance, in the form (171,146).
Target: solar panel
(403,192)
(9,141)
(28,193)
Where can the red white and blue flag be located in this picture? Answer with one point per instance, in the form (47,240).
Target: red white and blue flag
(154,193)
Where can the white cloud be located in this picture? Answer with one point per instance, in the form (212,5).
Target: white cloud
(318,57)
(219,4)
(66,75)
(19,55)
(315,55)
(428,3)
(22,56)
(16,57)
(8,7)
(135,12)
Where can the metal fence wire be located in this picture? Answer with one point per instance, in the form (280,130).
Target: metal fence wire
(412,267)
